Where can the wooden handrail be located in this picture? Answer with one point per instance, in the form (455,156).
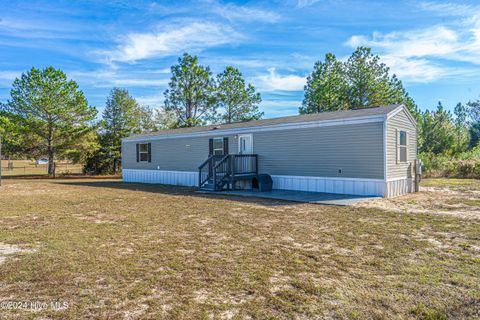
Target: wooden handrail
(205,162)
(221,161)
(222,168)
(208,161)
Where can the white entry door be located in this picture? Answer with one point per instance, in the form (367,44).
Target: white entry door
(245,144)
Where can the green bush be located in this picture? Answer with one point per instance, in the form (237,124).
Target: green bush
(463,165)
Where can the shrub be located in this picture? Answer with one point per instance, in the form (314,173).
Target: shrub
(463,165)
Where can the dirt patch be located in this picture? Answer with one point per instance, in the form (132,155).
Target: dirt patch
(7,250)
(280,282)
(99,218)
(439,200)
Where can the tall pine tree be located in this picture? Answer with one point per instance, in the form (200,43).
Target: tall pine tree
(190,95)
(367,77)
(326,88)
(122,117)
(51,113)
(238,99)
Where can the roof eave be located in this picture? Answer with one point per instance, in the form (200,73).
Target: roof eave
(343,121)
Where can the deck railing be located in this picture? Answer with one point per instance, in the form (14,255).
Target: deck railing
(205,170)
(244,163)
(219,169)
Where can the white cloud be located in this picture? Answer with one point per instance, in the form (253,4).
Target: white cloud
(116,78)
(280,108)
(306,3)
(448,8)
(426,54)
(160,71)
(9,75)
(273,81)
(26,27)
(155,100)
(139,82)
(242,13)
(415,70)
(172,39)
(435,41)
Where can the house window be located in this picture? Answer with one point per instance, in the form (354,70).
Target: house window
(143,152)
(402,146)
(218,146)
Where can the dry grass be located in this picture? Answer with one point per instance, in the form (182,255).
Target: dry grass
(458,197)
(128,251)
(28,168)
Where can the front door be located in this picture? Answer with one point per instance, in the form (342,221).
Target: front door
(245,144)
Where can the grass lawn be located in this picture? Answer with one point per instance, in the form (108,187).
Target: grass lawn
(113,250)
(28,168)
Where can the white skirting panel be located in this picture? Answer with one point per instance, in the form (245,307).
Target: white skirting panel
(398,187)
(178,178)
(354,186)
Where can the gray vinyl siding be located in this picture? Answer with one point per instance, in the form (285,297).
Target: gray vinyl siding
(181,154)
(400,121)
(357,149)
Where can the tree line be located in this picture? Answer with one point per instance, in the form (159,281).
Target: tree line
(48,115)
(363,80)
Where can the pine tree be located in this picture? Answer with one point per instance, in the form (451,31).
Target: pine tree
(238,99)
(122,117)
(51,113)
(190,95)
(326,88)
(368,80)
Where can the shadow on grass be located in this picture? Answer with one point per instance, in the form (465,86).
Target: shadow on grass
(72,176)
(174,191)
(273,198)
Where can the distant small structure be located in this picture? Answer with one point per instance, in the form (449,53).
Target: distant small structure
(41,161)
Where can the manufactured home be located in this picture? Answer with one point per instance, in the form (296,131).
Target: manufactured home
(370,151)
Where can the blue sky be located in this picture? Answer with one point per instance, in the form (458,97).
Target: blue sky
(434,47)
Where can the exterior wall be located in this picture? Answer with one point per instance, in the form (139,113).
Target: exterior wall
(305,159)
(356,149)
(400,176)
(182,154)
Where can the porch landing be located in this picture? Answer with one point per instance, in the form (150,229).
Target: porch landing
(297,196)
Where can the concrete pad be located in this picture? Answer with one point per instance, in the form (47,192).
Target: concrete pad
(297,196)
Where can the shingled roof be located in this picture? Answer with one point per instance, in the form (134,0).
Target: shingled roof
(322,116)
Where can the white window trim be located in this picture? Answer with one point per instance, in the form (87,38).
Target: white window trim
(400,146)
(140,152)
(242,136)
(223,147)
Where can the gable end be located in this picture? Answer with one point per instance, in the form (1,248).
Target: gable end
(399,109)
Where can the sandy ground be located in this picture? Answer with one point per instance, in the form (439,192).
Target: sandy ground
(443,200)
(7,250)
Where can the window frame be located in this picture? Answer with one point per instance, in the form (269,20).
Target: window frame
(140,152)
(401,147)
(216,149)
